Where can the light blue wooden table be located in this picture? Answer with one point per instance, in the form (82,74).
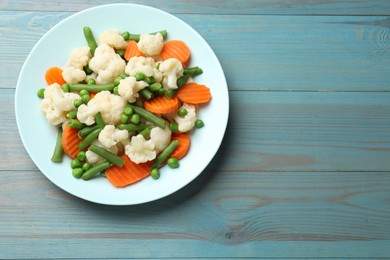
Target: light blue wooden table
(304,169)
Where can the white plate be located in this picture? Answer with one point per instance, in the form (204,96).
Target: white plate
(54,48)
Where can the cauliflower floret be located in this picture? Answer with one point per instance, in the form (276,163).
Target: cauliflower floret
(140,150)
(112,39)
(57,103)
(107,64)
(128,88)
(93,158)
(151,45)
(140,65)
(73,75)
(80,57)
(171,69)
(110,106)
(187,122)
(110,136)
(160,137)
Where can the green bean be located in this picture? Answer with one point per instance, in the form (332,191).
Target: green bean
(155,87)
(109,156)
(90,39)
(165,153)
(117,80)
(72,114)
(123,75)
(87,70)
(58,151)
(158,121)
(136,37)
(99,120)
(139,76)
(87,130)
(131,127)
(125,35)
(145,132)
(150,80)
(89,139)
(92,88)
(194,71)
(120,52)
(146,94)
(170,93)
(87,175)
(76,124)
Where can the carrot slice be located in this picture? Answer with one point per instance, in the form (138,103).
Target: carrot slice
(183,147)
(132,50)
(194,93)
(176,49)
(54,75)
(92,94)
(129,173)
(162,105)
(70,141)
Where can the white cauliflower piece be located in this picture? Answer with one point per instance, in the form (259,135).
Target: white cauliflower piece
(151,45)
(128,88)
(112,39)
(93,158)
(160,137)
(73,75)
(171,69)
(80,57)
(110,136)
(109,105)
(140,150)
(57,103)
(187,122)
(140,65)
(107,64)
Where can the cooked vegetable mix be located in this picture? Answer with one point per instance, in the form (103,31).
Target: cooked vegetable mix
(125,105)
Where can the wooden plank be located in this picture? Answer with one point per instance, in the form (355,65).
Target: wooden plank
(276,131)
(293,53)
(285,7)
(220,214)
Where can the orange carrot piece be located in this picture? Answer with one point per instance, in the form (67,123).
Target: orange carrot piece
(183,147)
(70,141)
(176,49)
(92,94)
(162,105)
(194,93)
(132,50)
(54,75)
(129,173)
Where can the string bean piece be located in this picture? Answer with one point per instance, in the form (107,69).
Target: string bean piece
(194,71)
(131,127)
(170,93)
(109,156)
(136,37)
(89,139)
(87,130)
(165,153)
(99,120)
(76,124)
(58,151)
(158,121)
(92,88)
(89,174)
(90,39)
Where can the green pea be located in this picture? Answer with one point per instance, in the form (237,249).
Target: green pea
(41,93)
(77,102)
(91,81)
(65,87)
(150,80)
(182,112)
(125,35)
(120,52)
(123,75)
(124,118)
(81,156)
(115,90)
(199,123)
(86,166)
(85,98)
(155,87)
(173,162)
(72,114)
(77,172)
(135,119)
(84,92)
(128,111)
(139,76)
(75,163)
(170,93)
(174,127)
(161,92)
(117,80)
(155,173)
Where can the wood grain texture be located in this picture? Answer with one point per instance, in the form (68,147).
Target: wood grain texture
(301,53)
(259,7)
